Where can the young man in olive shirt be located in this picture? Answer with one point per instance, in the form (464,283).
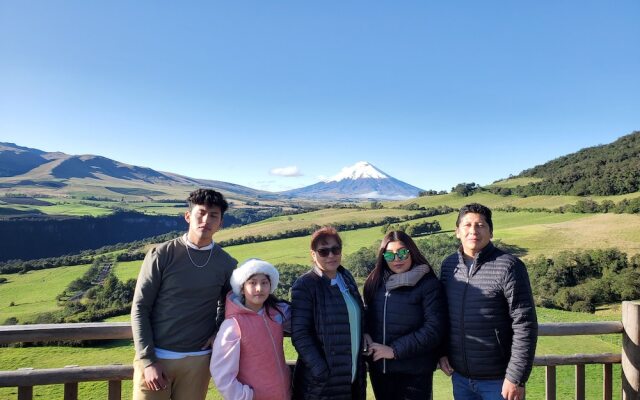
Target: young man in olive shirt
(178,305)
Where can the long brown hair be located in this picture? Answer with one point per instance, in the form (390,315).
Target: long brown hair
(376,277)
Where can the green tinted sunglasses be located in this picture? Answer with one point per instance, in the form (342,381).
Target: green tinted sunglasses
(402,254)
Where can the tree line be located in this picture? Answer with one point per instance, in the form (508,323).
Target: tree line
(586,206)
(582,280)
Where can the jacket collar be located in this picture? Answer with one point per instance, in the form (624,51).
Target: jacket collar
(480,257)
(318,272)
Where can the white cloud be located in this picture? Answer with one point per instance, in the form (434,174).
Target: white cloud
(286,171)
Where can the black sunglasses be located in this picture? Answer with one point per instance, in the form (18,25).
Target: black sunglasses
(402,254)
(324,252)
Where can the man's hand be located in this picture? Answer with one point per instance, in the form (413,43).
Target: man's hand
(154,377)
(445,366)
(381,351)
(511,391)
(367,351)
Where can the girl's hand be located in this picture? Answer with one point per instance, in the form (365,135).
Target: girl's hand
(381,351)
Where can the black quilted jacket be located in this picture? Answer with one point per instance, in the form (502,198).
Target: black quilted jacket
(321,334)
(412,320)
(492,316)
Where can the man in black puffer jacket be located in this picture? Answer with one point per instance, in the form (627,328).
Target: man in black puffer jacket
(492,316)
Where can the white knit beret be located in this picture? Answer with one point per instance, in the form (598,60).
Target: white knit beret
(249,268)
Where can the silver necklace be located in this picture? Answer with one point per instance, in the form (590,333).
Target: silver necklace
(193,262)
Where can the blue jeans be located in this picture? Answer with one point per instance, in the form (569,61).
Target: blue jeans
(476,389)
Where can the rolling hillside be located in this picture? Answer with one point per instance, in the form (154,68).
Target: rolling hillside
(609,169)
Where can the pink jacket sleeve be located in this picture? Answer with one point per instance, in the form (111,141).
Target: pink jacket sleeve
(225,362)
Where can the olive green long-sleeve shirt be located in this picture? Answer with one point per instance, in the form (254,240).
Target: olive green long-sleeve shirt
(177,305)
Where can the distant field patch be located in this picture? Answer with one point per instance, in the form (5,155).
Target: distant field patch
(514,182)
(29,201)
(75,209)
(156,208)
(135,191)
(127,270)
(592,231)
(15,211)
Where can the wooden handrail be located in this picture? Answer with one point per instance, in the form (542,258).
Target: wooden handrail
(122,330)
(580,328)
(34,377)
(52,376)
(60,332)
(573,359)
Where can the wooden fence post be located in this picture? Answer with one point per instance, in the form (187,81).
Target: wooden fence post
(631,350)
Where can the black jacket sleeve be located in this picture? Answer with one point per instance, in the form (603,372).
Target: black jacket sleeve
(303,331)
(517,290)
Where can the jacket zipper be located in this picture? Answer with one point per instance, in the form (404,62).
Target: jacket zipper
(464,297)
(275,351)
(384,329)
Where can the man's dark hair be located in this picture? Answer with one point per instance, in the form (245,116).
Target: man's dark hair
(209,198)
(476,209)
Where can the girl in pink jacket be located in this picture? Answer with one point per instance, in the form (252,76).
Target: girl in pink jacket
(247,361)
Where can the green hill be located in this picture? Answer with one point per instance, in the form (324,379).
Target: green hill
(603,170)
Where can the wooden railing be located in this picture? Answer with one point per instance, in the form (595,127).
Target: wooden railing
(26,379)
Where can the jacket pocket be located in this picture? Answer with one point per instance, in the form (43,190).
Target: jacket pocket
(502,352)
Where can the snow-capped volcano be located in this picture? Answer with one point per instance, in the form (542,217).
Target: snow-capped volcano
(360,170)
(359,181)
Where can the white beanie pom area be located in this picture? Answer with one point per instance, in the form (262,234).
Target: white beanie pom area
(252,267)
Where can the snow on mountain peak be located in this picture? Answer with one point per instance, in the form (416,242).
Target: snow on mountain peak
(360,170)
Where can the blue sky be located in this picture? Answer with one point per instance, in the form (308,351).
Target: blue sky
(433,93)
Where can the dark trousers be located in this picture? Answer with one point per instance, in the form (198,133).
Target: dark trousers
(401,386)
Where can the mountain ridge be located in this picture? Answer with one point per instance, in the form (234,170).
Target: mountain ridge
(32,170)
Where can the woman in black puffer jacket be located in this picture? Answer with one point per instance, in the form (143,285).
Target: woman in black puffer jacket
(406,319)
(326,326)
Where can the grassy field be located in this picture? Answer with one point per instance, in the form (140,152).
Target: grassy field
(592,231)
(537,233)
(121,352)
(35,292)
(320,217)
